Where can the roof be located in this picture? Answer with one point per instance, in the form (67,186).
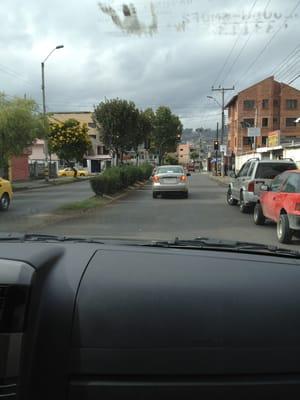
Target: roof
(232,101)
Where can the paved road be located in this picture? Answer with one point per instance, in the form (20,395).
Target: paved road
(205,213)
(35,204)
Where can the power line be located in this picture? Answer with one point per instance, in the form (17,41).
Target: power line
(286,60)
(232,49)
(267,44)
(245,45)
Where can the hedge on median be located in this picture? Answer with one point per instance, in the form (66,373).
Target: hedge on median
(116,178)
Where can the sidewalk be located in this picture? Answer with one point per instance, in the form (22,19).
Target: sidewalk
(221,180)
(41,183)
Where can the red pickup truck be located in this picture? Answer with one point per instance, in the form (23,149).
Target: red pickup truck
(280,202)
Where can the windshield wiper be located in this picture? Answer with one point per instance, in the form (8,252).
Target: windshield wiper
(36,237)
(231,245)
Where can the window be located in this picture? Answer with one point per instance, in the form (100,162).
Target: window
(264,140)
(292,184)
(244,170)
(99,150)
(265,122)
(289,122)
(91,125)
(248,123)
(265,103)
(276,103)
(247,141)
(268,170)
(277,182)
(249,104)
(251,169)
(172,170)
(93,136)
(291,104)
(181,149)
(275,120)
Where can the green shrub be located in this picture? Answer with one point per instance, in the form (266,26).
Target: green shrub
(115,178)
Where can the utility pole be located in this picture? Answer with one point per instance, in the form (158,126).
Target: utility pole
(217,150)
(222,90)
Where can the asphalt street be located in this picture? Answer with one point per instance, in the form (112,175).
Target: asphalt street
(205,213)
(33,205)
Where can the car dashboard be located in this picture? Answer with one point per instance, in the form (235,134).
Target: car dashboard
(114,321)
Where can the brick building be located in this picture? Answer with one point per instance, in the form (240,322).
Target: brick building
(268,105)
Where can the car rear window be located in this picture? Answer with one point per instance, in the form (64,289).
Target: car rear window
(171,170)
(270,170)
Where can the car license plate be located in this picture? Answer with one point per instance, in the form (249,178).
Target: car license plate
(170,180)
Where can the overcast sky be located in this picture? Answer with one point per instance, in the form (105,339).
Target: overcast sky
(160,52)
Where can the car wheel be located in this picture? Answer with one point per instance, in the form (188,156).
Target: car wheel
(4,202)
(243,208)
(230,200)
(284,233)
(186,195)
(258,215)
(154,195)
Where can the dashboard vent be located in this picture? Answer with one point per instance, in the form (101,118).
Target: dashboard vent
(13,301)
(8,391)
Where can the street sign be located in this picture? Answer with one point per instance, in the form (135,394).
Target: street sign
(223,148)
(254,132)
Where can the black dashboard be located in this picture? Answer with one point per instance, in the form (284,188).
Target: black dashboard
(114,321)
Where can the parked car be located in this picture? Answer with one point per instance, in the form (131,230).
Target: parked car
(6,194)
(280,202)
(245,186)
(170,178)
(70,172)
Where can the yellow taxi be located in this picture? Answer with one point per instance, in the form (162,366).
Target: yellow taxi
(6,194)
(70,172)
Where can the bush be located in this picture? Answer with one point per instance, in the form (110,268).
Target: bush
(116,178)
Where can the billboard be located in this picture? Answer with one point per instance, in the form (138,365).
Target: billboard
(274,139)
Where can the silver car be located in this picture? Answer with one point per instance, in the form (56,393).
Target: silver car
(170,178)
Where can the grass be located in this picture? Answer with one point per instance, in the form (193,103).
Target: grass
(92,202)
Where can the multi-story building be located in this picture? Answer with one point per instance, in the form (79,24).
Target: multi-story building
(268,105)
(183,153)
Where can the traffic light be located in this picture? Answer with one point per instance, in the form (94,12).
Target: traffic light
(216,145)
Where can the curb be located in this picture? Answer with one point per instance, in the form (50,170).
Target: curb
(218,180)
(47,185)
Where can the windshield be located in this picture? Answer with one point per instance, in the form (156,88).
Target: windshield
(172,170)
(103,102)
(270,170)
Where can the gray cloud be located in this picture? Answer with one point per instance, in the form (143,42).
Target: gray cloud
(173,66)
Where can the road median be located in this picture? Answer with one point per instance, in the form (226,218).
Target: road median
(80,209)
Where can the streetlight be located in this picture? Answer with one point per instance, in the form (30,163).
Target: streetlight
(44,111)
(213,98)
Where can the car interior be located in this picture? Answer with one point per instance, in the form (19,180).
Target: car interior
(114,320)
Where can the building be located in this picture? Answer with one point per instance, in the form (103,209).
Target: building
(99,156)
(268,105)
(183,153)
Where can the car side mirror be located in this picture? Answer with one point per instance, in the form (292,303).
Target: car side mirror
(232,175)
(188,174)
(265,188)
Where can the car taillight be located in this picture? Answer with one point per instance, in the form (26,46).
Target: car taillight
(297,206)
(183,178)
(251,186)
(155,178)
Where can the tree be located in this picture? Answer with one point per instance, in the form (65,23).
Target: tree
(118,122)
(170,159)
(20,124)
(194,156)
(167,131)
(143,132)
(70,141)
